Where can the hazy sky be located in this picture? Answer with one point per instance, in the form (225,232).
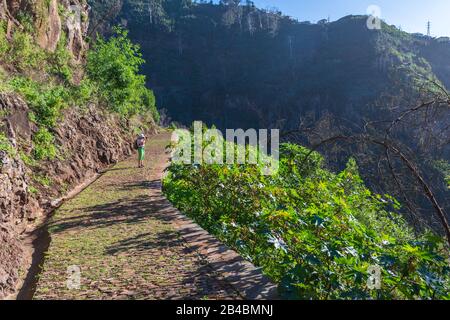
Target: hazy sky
(411,15)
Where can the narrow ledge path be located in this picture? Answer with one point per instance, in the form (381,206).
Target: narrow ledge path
(129,242)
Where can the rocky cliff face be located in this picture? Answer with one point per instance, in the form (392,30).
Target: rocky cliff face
(252,68)
(21,202)
(88,140)
(15,206)
(51,19)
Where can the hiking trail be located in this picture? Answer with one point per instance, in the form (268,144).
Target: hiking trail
(130,243)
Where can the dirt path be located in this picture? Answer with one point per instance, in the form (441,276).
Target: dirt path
(116,232)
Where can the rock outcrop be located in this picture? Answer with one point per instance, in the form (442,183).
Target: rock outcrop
(14,207)
(51,19)
(88,139)
(16,202)
(48,25)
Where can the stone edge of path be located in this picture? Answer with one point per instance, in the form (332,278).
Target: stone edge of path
(242,275)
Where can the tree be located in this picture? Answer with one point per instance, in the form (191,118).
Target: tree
(402,152)
(113,65)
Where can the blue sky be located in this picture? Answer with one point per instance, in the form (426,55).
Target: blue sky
(411,15)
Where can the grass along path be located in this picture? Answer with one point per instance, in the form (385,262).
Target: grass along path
(115,231)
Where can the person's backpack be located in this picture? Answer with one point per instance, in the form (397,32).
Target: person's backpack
(139,143)
(135,145)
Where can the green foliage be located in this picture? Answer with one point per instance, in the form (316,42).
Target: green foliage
(32,189)
(4,113)
(26,20)
(42,180)
(114,65)
(44,145)
(60,61)
(396,33)
(84,93)
(314,232)
(29,161)
(149,101)
(61,10)
(3,40)
(443,166)
(112,75)
(6,146)
(4,85)
(46,101)
(24,53)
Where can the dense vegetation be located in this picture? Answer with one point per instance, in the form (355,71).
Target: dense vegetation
(114,65)
(314,232)
(444,167)
(46,81)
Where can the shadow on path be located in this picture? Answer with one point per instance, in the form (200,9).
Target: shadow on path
(129,247)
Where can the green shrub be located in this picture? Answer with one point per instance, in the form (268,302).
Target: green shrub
(6,146)
(60,61)
(26,20)
(32,189)
(46,101)
(24,53)
(27,159)
(44,145)
(149,100)
(3,41)
(114,65)
(84,92)
(113,78)
(315,233)
(444,167)
(42,180)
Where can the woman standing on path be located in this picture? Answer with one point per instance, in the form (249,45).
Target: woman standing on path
(140,145)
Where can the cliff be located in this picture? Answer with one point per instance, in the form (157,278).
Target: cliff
(246,67)
(50,18)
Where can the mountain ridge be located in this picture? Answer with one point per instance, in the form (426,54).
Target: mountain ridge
(265,64)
